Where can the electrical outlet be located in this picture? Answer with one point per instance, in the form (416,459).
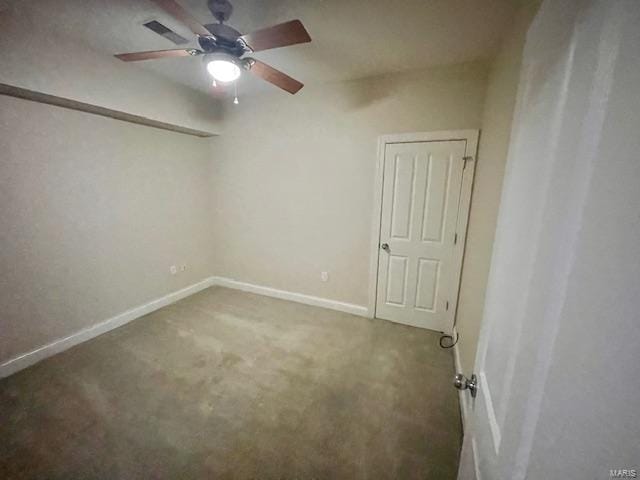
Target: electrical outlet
(173,269)
(324,276)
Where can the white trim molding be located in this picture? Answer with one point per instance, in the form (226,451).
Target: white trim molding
(476,461)
(60,345)
(30,358)
(496,433)
(292,296)
(463,395)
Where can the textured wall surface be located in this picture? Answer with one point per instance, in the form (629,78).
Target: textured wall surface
(93,211)
(294,176)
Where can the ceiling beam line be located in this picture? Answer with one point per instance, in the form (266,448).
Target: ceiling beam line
(32,95)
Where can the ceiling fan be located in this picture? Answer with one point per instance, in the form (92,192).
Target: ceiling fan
(223,47)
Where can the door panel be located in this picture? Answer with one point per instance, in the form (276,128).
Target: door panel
(403,186)
(520,427)
(427,287)
(397,280)
(517,235)
(421,193)
(435,211)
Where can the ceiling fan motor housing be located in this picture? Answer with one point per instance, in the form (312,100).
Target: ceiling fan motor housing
(223,40)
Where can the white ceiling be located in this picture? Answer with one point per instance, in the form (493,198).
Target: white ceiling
(351,38)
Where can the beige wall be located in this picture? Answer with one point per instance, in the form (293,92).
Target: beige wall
(294,175)
(492,154)
(93,211)
(96,210)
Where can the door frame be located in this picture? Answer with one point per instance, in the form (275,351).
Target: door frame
(471,148)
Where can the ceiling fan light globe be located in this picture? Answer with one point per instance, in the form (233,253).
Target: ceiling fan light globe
(223,70)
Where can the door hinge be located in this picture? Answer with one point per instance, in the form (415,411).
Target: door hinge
(466,160)
(455,239)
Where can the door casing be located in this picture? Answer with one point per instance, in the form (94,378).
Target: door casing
(471,138)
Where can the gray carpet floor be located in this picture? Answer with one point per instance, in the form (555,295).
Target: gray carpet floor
(226,384)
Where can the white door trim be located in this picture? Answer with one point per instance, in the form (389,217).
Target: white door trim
(471,138)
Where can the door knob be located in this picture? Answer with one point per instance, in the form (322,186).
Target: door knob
(463,383)
(385,247)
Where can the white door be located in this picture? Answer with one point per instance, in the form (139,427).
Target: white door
(553,400)
(418,274)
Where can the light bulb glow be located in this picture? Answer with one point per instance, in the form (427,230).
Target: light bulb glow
(235,101)
(223,70)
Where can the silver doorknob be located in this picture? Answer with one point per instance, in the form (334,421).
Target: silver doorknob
(385,247)
(463,383)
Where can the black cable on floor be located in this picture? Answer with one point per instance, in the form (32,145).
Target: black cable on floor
(444,345)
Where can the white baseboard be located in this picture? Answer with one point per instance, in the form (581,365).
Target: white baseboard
(292,296)
(27,359)
(462,394)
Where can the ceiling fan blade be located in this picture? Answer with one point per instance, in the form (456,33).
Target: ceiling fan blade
(176,11)
(281,35)
(137,56)
(274,76)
